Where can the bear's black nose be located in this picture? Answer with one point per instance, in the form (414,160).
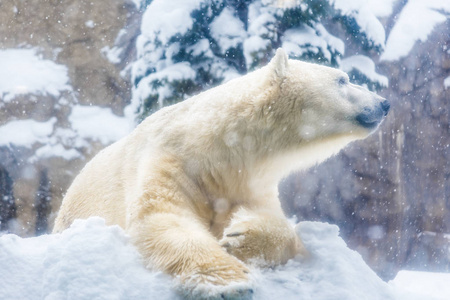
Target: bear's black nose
(371,117)
(385,105)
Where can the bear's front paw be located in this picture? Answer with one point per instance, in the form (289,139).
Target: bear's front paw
(226,278)
(261,240)
(247,244)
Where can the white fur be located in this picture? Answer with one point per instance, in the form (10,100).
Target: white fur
(195,185)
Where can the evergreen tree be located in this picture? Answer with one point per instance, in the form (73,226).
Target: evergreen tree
(8,207)
(188,46)
(43,203)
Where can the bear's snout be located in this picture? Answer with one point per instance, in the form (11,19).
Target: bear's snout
(385,106)
(371,117)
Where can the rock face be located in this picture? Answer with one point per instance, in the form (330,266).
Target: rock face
(74,34)
(390,193)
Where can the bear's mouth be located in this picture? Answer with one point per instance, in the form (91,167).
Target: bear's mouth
(366,122)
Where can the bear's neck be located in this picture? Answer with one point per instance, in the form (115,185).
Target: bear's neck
(257,174)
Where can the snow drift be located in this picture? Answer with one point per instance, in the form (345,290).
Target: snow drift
(93,261)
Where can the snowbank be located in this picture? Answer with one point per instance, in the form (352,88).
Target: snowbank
(93,261)
(88,261)
(425,284)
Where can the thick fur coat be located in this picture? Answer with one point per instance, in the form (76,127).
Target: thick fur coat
(195,184)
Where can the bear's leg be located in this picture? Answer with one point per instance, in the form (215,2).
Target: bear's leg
(261,238)
(179,245)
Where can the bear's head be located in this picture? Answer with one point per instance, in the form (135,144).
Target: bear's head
(315,110)
(319,102)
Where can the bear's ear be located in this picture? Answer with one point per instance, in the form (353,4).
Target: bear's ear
(280,63)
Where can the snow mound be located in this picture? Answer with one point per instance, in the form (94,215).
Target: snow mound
(424,283)
(87,261)
(94,261)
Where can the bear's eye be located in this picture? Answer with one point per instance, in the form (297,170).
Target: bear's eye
(342,81)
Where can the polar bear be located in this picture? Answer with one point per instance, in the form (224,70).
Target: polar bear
(195,184)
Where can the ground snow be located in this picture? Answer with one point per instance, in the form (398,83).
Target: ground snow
(93,261)
(424,284)
(88,261)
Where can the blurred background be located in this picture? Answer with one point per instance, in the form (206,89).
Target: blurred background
(78,75)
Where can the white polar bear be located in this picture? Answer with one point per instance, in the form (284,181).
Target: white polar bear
(195,185)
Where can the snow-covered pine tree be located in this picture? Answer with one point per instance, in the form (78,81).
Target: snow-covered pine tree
(187,46)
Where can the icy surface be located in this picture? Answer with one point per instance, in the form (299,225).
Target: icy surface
(23,71)
(93,261)
(415,22)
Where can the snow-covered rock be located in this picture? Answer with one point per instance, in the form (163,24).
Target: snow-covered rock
(24,71)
